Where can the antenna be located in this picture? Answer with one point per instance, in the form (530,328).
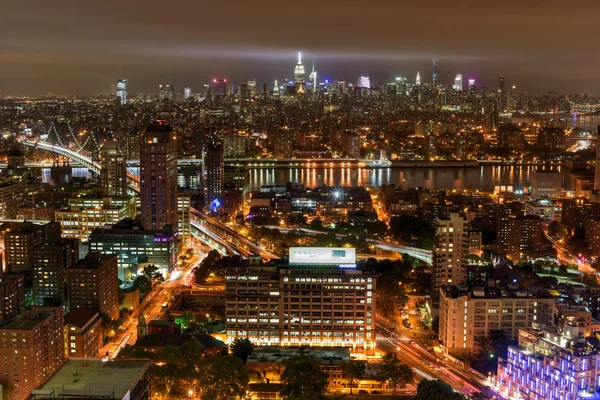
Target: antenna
(299,57)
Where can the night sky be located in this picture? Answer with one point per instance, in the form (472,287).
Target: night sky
(82,46)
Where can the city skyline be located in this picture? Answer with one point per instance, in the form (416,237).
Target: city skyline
(90,47)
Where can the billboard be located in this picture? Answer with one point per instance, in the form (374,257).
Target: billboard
(323,255)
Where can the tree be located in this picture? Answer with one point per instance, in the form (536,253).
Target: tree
(241,348)
(185,320)
(303,379)
(223,378)
(392,370)
(436,390)
(353,371)
(152,273)
(557,231)
(143,284)
(317,224)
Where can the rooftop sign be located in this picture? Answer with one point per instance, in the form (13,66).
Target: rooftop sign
(322,255)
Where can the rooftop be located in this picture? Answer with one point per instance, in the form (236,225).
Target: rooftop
(80,317)
(95,377)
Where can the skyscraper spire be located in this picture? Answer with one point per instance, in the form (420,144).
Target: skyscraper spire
(313,78)
(299,58)
(418,80)
(299,71)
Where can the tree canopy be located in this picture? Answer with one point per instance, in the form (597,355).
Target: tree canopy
(303,379)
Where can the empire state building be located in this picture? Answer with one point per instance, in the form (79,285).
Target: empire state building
(299,72)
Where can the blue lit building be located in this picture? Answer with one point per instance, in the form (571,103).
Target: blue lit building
(550,364)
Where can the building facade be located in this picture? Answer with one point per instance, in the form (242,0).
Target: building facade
(450,252)
(318,299)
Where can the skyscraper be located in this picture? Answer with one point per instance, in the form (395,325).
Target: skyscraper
(158,176)
(458,83)
(418,80)
(434,76)
(214,169)
(471,85)
(122,90)
(364,82)
(299,71)
(219,87)
(313,78)
(275,88)
(187,92)
(113,175)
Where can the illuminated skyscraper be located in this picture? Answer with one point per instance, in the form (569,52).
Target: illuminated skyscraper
(113,175)
(458,83)
(214,169)
(122,90)
(471,85)
(364,82)
(313,78)
(187,92)
(166,92)
(219,87)
(434,80)
(299,71)
(418,80)
(158,176)
(275,88)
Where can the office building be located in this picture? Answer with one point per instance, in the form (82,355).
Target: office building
(137,247)
(299,72)
(113,174)
(364,82)
(461,145)
(93,283)
(86,213)
(458,83)
(235,146)
(115,380)
(183,216)
(472,86)
(317,299)
(187,93)
(32,348)
(418,79)
(214,166)
(83,333)
(549,364)
(511,136)
(158,176)
(430,147)
(122,91)
(219,87)
(546,209)
(468,315)
(167,92)
(450,251)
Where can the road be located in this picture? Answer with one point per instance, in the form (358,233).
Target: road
(564,255)
(150,307)
(425,364)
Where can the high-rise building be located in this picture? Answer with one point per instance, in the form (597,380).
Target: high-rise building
(158,176)
(122,91)
(431,146)
(51,261)
(471,85)
(20,243)
(418,80)
(466,316)
(167,92)
(94,283)
(519,236)
(283,142)
(187,93)
(450,252)
(113,174)
(458,83)
(275,88)
(461,147)
(364,82)
(434,75)
(32,348)
(351,144)
(313,78)
(551,138)
(299,72)
(214,166)
(219,87)
(320,280)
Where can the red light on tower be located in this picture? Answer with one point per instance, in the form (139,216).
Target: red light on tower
(224,80)
(214,81)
